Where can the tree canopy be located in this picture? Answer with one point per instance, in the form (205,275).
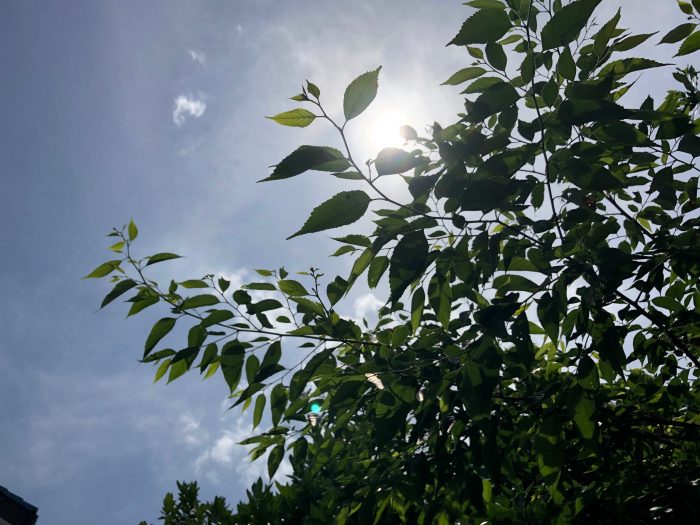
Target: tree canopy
(536,359)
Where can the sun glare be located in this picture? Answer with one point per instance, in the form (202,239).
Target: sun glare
(384,132)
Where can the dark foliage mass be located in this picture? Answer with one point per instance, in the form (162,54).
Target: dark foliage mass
(536,360)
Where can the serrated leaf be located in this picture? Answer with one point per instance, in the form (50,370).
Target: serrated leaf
(632,41)
(566,24)
(160,329)
(622,67)
(486,25)
(360,93)
(600,41)
(306,158)
(298,118)
(160,257)
(340,210)
(689,45)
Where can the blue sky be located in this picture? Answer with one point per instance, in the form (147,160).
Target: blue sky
(155,110)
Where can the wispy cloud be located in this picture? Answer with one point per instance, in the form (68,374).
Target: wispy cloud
(198,57)
(187,107)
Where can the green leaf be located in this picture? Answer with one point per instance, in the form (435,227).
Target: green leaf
(120,288)
(258,410)
(232,356)
(306,158)
(210,353)
(132,230)
(482,84)
(360,93)
(486,25)
(340,210)
(494,100)
(620,68)
(160,257)
(297,118)
(548,314)
(357,240)
(274,460)
(142,304)
(313,89)
(376,269)
(199,301)
(177,368)
(278,402)
(496,56)
(417,306)
(632,41)
(685,7)
(264,306)
(566,24)
(689,45)
(582,410)
(678,33)
(160,329)
(261,286)
(566,66)
(252,365)
(408,262)
(272,355)
(162,369)
(349,175)
(391,161)
(291,287)
(486,4)
(468,73)
(600,42)
(194,283)
(103,270)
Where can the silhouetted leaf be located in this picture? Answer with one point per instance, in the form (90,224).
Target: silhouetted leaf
(343,208)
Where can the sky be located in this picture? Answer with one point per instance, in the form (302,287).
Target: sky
(155,111)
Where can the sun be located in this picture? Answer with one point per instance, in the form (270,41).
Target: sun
(384,131)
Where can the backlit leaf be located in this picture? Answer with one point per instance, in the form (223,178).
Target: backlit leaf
(343,208)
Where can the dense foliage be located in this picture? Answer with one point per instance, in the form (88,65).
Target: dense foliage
(537,357)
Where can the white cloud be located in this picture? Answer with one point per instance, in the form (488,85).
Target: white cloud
(199,57)
(366,305)
(192,432)
(186,106)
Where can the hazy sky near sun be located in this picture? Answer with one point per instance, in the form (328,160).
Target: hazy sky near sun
(155,110)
